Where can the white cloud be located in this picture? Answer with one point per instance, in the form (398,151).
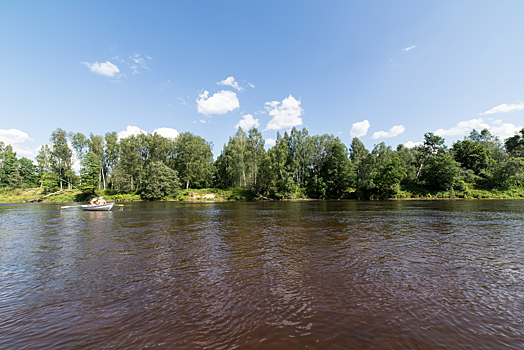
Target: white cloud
(360,129)
(166,132)
(22,151)
(220,103)
(130,130)
(504,108)
(505,130)
(107,69)
(411,144)
(231,82)
(251,85)
(202,121)
(394,131)
(463,127)
(285,115)
(135,130)
(118,59)
(270,142)
(247,122)
(410,48)
(136,57)
(12,136)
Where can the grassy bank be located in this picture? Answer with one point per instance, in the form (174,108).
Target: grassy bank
(239,194)
(204,195)
(416,192)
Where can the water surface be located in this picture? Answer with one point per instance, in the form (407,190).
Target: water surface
(270,275)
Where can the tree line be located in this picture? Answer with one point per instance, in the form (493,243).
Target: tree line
(299,164)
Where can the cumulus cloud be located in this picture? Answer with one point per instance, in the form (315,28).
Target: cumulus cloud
(251,85)
(270,142)
(463,127)
(220,103)
(166,132)
(28,152)
(130,130)
(394,131)
(286,114)
(411,144)
(247,122)
(360,129)
(505,130)
(13,136)
(410,48)
(135,130)
(107,69)
(230,81)
(504,108)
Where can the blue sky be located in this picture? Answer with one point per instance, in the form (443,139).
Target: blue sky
(379,70)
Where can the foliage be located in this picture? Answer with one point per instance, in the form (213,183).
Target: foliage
(160,181)
(509,175)
(515,144)
(299,165)
(193,160)
(442,172)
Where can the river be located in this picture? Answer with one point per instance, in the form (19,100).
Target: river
(264,275)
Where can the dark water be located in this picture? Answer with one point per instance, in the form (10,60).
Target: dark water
(291,275)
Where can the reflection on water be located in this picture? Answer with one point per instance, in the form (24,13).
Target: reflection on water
(290,275)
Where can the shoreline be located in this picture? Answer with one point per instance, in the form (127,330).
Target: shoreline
(214,195)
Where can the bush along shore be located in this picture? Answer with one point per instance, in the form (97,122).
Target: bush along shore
(36,195)
(298,166)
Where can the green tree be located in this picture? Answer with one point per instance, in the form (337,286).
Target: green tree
(510,174)
(8,164)
(160,181)
(131,163)
(472,155)
(48,180)
(61,157)
(96,144)
(90,173)
(111,154)
(407,161)
(28,172)
(194,160)
(442,172)
(256,150)
(427,151)
(515,144)
(275,181)
(388,178)
(336,169)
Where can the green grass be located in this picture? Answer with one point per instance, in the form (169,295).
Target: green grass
(472,192)
(239,194)
(219,194)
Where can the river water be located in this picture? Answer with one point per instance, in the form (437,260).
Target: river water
(264,275)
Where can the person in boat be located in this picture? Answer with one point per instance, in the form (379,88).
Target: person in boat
(101,201)
(93,201)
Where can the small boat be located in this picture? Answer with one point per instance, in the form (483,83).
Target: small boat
(103,207)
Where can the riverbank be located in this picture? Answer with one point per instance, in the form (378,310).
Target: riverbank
(239,194)
(67,196)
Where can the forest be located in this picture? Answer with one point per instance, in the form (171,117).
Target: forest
(299,165)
